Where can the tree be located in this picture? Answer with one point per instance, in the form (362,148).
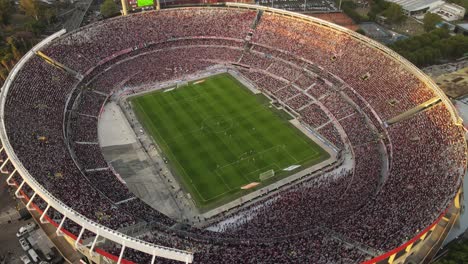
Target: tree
(6,9)
(109,8)
(463,3)
(3,74)
(31,8)
(6,60)
(394,13)
(360,31)
(49,15)
(377,7)
(35,26)
(430,48)
(348,8)
(11,41)
(430,21)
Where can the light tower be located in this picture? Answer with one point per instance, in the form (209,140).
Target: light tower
(124,7)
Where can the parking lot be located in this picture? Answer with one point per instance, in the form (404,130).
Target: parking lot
(10,249)
(21,241)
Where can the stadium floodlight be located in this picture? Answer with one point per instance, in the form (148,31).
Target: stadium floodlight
(124,7)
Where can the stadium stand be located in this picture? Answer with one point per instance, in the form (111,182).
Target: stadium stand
(341,218)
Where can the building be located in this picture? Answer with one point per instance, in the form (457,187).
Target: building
(462,28)
(449,12)
(415,7)
(377,32)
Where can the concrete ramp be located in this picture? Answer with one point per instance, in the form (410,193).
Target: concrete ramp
(408,114)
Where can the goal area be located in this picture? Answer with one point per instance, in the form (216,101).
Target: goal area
(266,175)
(181,84)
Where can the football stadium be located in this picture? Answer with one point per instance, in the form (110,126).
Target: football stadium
(231,133)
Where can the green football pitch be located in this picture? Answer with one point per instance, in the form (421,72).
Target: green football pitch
(218,136)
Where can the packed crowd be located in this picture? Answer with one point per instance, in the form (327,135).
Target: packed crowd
(358,204)
(288,71)
(172,63)
(83,49)
(334,51)
(319,90)
(84,128)
(337,105)
(286,92)
(305,81)
(313,116)
(295,250)
(357,129)
(35,131)
(110,185)
(256,60)
(298,101)
(89,103)
(428,159)
(89,155)
(330,132)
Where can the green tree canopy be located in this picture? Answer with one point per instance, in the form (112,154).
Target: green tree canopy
(457,253)
(31,8)
(349,9)
(3,74)
(12,43)
(109,8)
(463,3)
(394,13)
(49,15)
(430,21)
(430,48)
(35,26)
(360,31)
(377,7)
(6,9)
(6,61)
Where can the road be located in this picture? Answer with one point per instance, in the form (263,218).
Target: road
(9,225)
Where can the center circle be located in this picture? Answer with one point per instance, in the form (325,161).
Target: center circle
(217,124)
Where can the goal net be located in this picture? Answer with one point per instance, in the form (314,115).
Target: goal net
(266,175)
(182,83)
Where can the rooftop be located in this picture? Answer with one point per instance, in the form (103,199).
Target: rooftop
(415,5)
(464,26)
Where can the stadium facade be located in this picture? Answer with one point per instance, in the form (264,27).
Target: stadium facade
(406,139)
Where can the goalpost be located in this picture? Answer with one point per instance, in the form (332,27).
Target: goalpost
(266,175)
(181,83)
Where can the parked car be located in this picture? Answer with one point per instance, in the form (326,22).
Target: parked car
(32,253)
(25,259)
(24,244)
(26,229)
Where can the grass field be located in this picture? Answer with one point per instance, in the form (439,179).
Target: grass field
(218,136)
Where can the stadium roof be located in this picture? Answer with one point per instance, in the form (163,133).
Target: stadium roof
(415,5)
(463,26)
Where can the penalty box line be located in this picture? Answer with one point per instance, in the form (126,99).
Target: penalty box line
(247,158)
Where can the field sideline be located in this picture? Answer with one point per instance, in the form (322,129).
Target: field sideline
(218,136)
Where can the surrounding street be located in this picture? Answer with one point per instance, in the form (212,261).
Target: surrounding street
(10,248)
